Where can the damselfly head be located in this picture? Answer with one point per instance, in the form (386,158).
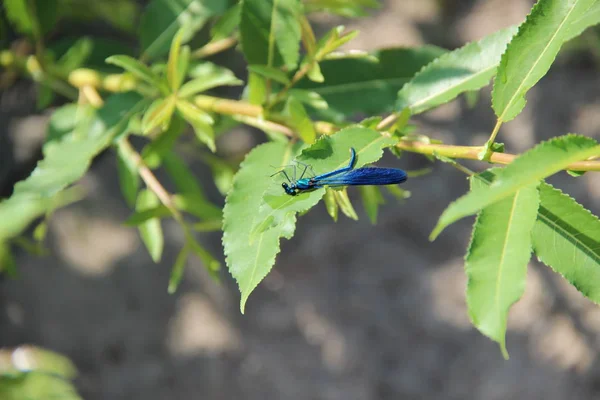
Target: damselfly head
(288,189)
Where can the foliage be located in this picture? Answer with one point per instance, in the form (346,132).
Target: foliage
(304,92)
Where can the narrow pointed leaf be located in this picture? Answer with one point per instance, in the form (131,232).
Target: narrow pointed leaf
(153,153)
(469,68)
(348,81)
(538,163)
(64,162)
(150,230)
(312,99)
(257,88)
(7,261)
(534,48)
(270,32)
(343,201)
(198,119)
(270,73)
(210,263)
(162,19)
(207,77)
(177,63)
(158,115)
(372,198)
(227,24)
(300,120)
(129,179)
(139,217)
(330,204)
(566,237)
(134,66)
(178,269)
(496,262)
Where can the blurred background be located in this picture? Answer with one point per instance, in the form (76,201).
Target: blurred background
(351,310)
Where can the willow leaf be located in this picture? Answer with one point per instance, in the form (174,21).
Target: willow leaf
(544,160)
(496,262)
(530,54)
(469,68)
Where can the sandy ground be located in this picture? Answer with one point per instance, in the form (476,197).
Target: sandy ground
(351,310)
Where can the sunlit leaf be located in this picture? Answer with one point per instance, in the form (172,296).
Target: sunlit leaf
(64,162)
(270,32)
(496,262)
(534,48)
(469,68)
(163,18)
(134,66)
(566,237)
(150,230)
(538,163)
(372,198)
(349,81)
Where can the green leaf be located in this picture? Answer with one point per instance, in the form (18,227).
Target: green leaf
(138,69)
(210,263)
(469,68)
(65,119)
(163,18)
(227,23)
(312,99)
(496,261)
(76,55)
(153,153)
(270,73)
(64,162)
(566,237)
(300,120)
(544,160)
(314,73)
(345,8)
(139,217)
(270,32)
(200,121)
(121,14)
(7,261)
(158,114)
(249,264)
(178,269)
(331,41)
(19,15)
(257,89)
(129,179)
(182,177)
(177,63)
(348,81)
(222,173)
(343,201)
(208,76)
(372,198)
(330,204)
(150,230)
(45,97)
(534,48)
(34,18)
(199,208)
(253,201)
